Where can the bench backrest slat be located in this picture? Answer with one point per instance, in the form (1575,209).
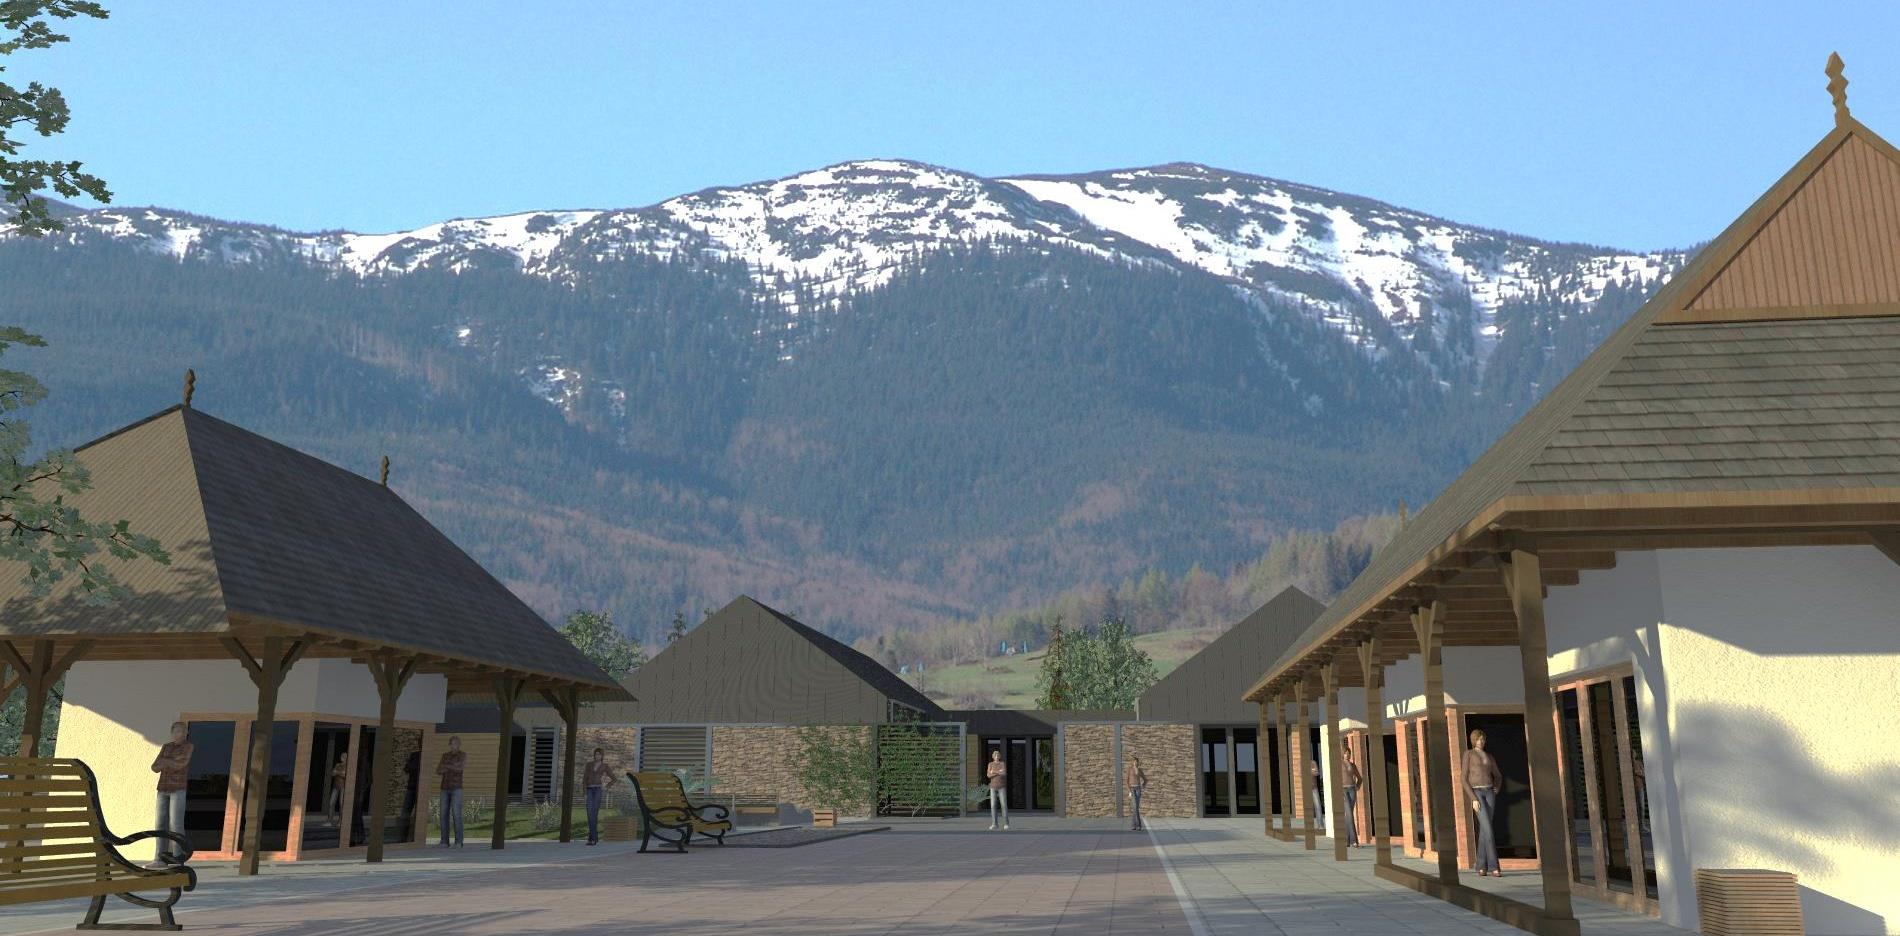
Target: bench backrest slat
(49,821)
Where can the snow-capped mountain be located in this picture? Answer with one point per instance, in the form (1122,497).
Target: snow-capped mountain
(1368,270)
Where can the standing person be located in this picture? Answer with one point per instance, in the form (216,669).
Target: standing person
(1319,796)
(339,774)
(999,796)
(1483,779)
(173,766)
(597,779)
(450,768)
(1135,780)
(1351,782)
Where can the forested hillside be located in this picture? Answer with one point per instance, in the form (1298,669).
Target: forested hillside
(977,424)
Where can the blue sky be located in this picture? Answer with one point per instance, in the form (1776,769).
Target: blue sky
(1631,124)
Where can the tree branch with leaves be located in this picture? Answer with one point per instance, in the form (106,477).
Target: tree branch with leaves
(27,25)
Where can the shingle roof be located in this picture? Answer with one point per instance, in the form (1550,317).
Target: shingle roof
(261,531)
(1755,369)
(865,668)
(1206,687)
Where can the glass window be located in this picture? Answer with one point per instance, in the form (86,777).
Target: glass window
(280,779)
(324,789)
(208,783)
(1640,778)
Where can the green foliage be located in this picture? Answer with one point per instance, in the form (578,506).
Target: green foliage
(1105,669)
(596,636)
(678,628)
(918,769)
(837,767)
(1052,682)
(38,529)
(42,109)
(13,719)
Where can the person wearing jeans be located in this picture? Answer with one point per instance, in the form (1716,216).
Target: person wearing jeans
(173,766)
(597,779)
(1482,779)
(999,796)
(1351,786)
(450,769)
(1135,780)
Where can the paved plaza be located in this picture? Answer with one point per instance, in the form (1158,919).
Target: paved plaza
(1064,876)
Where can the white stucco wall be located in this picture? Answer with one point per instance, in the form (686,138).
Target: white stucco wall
(1783,669)
(116,715)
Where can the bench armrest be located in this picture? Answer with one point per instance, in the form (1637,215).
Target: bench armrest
(702,808)
(684,816)
(172,862)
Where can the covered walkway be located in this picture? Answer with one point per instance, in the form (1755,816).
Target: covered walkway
(1234,881)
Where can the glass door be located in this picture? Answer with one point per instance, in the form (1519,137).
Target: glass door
(1215,800)
(1045,773)
(208,783)
(1599,728)
(1246,772)
(1018,780)
(324,786)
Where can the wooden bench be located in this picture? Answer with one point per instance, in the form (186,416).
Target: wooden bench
(666,813)
(54,845)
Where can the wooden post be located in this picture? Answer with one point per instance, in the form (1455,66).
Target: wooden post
(1264,757)
(1335,762)
(567,702)
(391,675)
(507,694)
(1306,771)
(1523,579)
(1286,771)
(37,671)
(267,674)
(1429,625)
(1374,789)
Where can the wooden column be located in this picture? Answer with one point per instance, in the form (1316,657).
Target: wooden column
(567,701)
(1523,579)
(1263,753)
(37,671)
(1428,625)
(1374,790)
(1335,762)
(267,674)
(1287,793)
(1305,770)
(508,691)
(391,673)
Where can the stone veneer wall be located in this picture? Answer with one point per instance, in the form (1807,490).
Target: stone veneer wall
(622,744)
(1169,756)
(763,760)
(1088,770)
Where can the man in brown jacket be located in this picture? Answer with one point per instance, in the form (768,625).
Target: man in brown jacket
(450,767)
(173,766)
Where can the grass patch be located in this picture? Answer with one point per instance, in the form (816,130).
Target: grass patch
(1010,681)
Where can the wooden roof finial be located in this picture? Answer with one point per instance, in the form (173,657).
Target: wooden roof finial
(385,471)
(191,384)
(1837,86)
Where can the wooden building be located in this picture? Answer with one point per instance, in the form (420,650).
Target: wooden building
(1679,573)
(309,617)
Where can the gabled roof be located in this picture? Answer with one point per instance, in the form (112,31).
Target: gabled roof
(751,664)
(1766,374)
(264,537)
(1207,686)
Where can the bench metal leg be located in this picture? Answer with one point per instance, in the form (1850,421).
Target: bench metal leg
(165,920)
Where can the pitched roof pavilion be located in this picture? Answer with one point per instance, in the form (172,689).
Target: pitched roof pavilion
(1754,400)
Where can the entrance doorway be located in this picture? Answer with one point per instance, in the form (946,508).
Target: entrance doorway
(1505,741)
(1031,780)
(1600,736)
(1230,772)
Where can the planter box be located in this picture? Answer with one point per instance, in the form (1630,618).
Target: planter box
(619,828)
(824,818)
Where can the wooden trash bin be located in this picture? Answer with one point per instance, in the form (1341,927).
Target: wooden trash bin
(824,818)
(1748,902)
